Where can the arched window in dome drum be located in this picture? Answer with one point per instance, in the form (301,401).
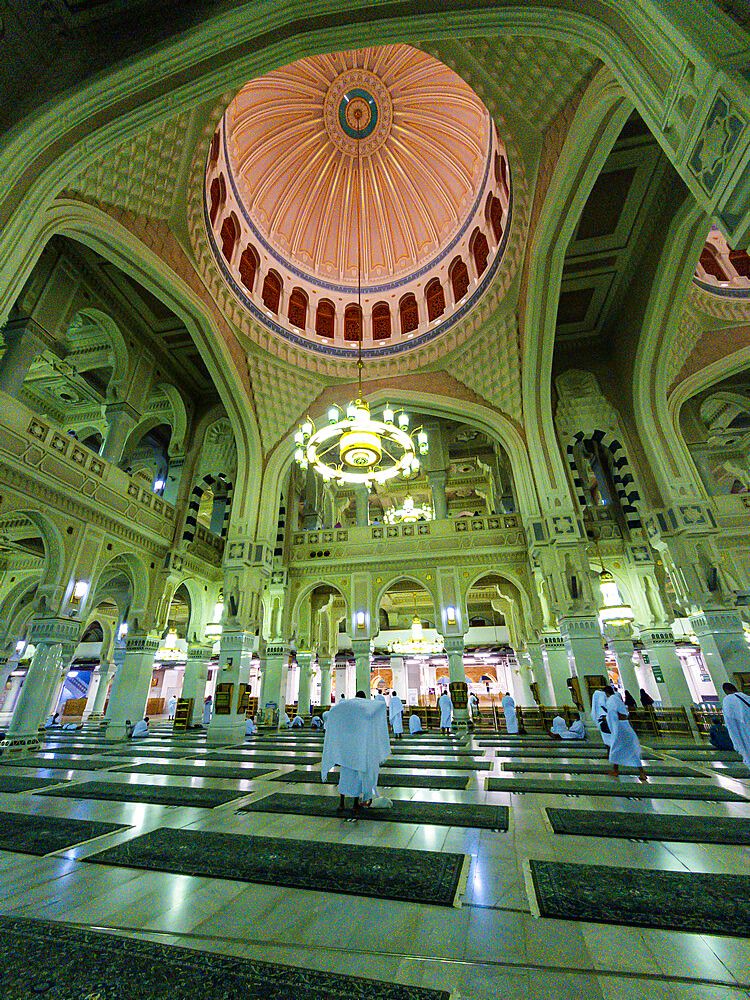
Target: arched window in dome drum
(435,299)
(214,153)
(325,319)
(496,218)
(298,308)
(249,263)
(381,321)
(501,172)
(711,262)
(352,322)
(272,292)
(459,273)
(218,196)
(480,250)
(409,313)
(229,236)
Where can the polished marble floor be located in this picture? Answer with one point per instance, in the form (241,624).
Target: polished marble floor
(492,946)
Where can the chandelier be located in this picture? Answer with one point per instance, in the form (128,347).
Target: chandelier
(354,447)
(417,644)
(408,512)
(614,611)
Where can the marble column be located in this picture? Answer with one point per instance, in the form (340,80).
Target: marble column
(131,685)
(661,657)
(459,691)
(325,664)
(437,481)
(559,667)
(362,500)
(361,649)
(196,677)
(621,643)
(539,669)
(97,692)
(725,648)
(583,638)
(306,670)
(235,656)
(400,681)
(522,693)
(121,419)
(274,676)
(22,347)
(54,640)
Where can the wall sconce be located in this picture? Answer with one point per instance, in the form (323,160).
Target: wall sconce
(360,619)
(450,616)
(80,589)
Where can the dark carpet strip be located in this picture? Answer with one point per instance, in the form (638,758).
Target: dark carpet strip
(642,826)
(379,872)
(197,771)
(40,835)
(630,789)
(43,959)
(657,770)
(13,783)
(464,814)
(160,795)
(384,780)
(434,764)
(55,762)
(636,897)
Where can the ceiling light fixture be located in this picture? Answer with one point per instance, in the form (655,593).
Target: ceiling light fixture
(356,448)
(408,512)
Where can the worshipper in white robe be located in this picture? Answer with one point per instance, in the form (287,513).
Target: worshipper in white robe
(52,721)
(357,740)
(396,715)
(577,731)
(141,728)
(415,724)
(208,706)
(559,726)
(446,712)
(509,708)
(250,728)
(736,708)
(284,721)
(316,722)
(380,696)
(325,717)
(172,707)
(474,705)
(599,713)
(625,750)
(297,722)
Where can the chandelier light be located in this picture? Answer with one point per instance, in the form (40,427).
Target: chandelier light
(408,512)
(614,611)
(354,447)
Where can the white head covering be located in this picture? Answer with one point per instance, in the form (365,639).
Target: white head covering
(598,704)
(415,724)
(395,708)
(559,725)
(357,738)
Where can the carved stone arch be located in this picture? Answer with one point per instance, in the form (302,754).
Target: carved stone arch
(179,415)
(119,353)
(135,569)
(429,585)
(50,580)
(199,607)
(524,586)
(622,475)
(309,587)
(12,602)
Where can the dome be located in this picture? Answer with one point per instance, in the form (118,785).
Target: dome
(301,148)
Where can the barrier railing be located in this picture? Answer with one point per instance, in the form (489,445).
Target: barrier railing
(705,715)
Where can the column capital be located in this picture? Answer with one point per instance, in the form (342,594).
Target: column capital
(361,647)
(140,643)
(52,630)
(453,644)
(199,652)
(661,636)
(552,640)
(277,647)
(579,626)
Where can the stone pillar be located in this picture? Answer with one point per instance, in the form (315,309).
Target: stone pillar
(306,672)
(559,667)
(583,638)
(325,664)
(362,499)
(400,680)
(7,665)
(274,677)
(235,656)
(659,654)
(459,691)
(196,677)
(55,640)
(437,481)
(174,478)
(131,685)
(121,419)
(724,645)
(97,692)
(22,347)
(621,643)
(539,669)
(361,649)
(522,694)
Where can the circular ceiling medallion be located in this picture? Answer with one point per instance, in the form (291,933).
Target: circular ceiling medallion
(358,99)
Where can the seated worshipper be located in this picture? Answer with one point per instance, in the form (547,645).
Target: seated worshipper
(719,738)
(559,726)
(577,731)
(445,705)
(141,728)
(509,708)
(284,721)
(250,728)
(52,721)
(172,707)
(316,722)
(736,708)
(298,722)
(646,699)
(415,724)
(599,712)
(72,725)
(629,700)
(357,740)
(625,749)
(128,729)
(396,715)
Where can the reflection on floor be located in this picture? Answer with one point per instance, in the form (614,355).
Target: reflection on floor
(493,945)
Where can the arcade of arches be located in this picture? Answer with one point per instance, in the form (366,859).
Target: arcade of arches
(536,237)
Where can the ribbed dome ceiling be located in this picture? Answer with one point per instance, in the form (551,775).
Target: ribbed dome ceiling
(292,149)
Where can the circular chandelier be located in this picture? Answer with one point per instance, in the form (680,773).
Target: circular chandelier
(408,512)
(356,448)
(417,644)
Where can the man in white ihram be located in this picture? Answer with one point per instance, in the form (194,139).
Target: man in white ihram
(599,714)
(357,740)
(445,704)
(396,715)
(172,706)
(736,708)
(625,750)
(509,708)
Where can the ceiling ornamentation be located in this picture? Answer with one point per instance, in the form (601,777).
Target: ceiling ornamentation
(491,367)
(282,395)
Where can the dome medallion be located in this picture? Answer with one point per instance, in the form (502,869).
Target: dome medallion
(358,100)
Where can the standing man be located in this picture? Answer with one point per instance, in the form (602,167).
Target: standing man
(172,706)
(396,715)
(445,705)
(509,709)
(736,708)
(599,712)
(625,750)
(357,740)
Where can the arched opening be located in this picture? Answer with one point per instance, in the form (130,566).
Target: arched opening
(213,154)
(496,218)
(92,441)
(710,261)
(381,321)
(409,313)
(412,639)
(298,308)
(459,275)
(325,319)
(249,264)
(229,236)
(271,296)
(218,194)
(146,457)
(480,250)
(435,299)
(352,322)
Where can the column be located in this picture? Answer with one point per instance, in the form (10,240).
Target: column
(361,649)
(559,667)
(459,691)
(59,682)
(621,643)
(362,499)
(659,654)
(535,654)
(522,693)
(99,687)
(400,685)
(131,685)
(54,640)
(583,638)
(306,671)
(325,665)
(22,347)
(437,481)
(724,645)
(174,478)
(274,676)
(235,655)
(121,419)
(196,677)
